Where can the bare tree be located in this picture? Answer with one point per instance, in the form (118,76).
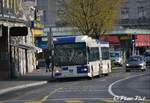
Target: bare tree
(92,17)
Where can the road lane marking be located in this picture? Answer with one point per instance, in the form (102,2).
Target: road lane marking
(73,101)
(111,85)
(45,97)
(82,90)
(33,102)
(50,94)
(64,99)
(110,101)
(59,99)
(147,101)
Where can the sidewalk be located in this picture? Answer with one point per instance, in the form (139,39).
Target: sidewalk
(37,77)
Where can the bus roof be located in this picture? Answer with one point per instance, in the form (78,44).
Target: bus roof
(75,39)
(70,39)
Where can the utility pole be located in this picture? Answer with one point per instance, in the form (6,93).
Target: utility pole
(51,49)
(133,48)
(133,44)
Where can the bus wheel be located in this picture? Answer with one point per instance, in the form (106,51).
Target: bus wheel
(127,70)
(99,75)
(106,74)
(90,78)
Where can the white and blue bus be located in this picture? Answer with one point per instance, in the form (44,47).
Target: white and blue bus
(80,56)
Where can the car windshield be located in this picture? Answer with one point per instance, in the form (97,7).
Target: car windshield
(147,54)
(113,55)
(136,58)
(70,54)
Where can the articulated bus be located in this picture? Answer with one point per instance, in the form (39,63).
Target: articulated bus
(80,56)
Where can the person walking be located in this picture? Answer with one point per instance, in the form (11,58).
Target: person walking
(48,62)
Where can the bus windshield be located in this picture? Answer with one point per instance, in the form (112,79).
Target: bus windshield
(70,54)
(147,54)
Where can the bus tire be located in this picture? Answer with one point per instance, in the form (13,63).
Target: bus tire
(92,76)
(99,74)
(127,70)
(106,74)
(143,70)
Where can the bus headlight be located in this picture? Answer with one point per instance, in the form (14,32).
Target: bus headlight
(57,71)
(85,69)
(141,64)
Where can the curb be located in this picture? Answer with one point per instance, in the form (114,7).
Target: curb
(22,87)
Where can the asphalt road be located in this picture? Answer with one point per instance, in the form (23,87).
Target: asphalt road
(132,85)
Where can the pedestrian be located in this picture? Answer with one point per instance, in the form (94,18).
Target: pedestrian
(48,62)
(37,65)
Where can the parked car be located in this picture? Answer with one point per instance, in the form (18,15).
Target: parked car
(147,57)
(135,63)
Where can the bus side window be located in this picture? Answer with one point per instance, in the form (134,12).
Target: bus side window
(88,52)
(93,54)
(105,53)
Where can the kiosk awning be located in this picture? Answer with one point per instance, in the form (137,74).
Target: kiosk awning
(113,40)
(28,47)
(142,40)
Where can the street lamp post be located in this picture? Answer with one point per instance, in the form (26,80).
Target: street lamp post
(133,47)
(133,43)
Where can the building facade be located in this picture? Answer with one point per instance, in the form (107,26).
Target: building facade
(16,41)
(135,14)
(53,10)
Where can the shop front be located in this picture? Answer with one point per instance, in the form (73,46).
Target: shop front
(142,43)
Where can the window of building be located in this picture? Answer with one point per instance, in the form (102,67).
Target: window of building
(60,11)
(141,1)
(124,13)
(29,0)
(142,12)
(44,16)
(60,2)
(126,1)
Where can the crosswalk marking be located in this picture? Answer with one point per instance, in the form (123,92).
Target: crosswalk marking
(45,97)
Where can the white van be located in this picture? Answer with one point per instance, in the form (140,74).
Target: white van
(116,57)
